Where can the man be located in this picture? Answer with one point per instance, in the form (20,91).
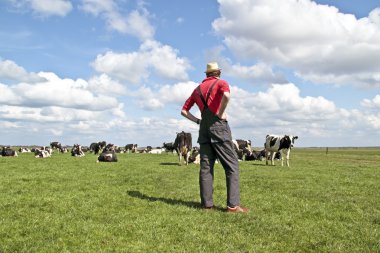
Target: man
(212,97)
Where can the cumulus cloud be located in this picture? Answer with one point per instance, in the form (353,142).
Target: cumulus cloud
(282,110)
(167,94)
(59,92)
(11,71)
(260,73)
(317,41)
(46,7)
(372,103)
(105,85)
(135,23)
(137,66)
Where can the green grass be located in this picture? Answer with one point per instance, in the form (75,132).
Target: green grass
(147,203)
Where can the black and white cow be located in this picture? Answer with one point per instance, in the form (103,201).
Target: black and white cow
(7,151)
(183,145)
(77,151)
(255,155)
(97,147)
(108,154)
(242,148)
(55,145)
(42,152)
(24,150)
(275,143)
(195,156)
(131,148)
(169,147)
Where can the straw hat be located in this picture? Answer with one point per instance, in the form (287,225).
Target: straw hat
(212,66)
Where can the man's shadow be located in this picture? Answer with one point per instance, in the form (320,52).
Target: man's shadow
(191,204)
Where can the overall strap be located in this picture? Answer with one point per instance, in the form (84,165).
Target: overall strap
(208,93)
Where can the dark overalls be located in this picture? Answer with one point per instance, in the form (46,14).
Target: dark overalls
(216,142)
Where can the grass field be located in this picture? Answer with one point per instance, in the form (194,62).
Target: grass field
(147,203)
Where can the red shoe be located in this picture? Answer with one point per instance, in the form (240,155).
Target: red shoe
(237,209)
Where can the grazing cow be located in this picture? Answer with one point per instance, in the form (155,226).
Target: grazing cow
(7,151)
(77,151)
(275,143)
(183,145)
(55,145)
(169,147)
(97,147)
(108,154)
(131,148)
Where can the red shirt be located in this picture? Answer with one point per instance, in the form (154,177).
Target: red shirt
(215,98)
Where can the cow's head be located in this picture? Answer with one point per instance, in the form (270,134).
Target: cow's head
(291,139)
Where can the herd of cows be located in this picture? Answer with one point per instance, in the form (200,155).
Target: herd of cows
(275,147)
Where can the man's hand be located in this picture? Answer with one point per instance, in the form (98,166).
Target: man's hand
(222,116)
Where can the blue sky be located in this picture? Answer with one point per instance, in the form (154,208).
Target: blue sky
(90,70)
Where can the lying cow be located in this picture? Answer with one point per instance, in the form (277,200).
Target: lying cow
(183,145)
(77,151)
(255,155)
(275,143)
(108,154)
(195,156)
(7,151)
(242,148)
(24,150)
(42,152)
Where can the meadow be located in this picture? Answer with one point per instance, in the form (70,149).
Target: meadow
(325,202)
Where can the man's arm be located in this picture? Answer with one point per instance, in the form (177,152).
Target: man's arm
(225,99)
(190,116)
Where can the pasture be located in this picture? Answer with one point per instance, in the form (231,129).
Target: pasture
(147,203)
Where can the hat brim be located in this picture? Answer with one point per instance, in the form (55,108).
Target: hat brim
(213,70)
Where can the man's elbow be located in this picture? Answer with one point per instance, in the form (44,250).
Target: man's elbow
(183,112)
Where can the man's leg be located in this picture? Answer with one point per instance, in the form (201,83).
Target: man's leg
(228,158)
(206,174)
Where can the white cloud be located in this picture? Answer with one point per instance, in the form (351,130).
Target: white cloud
(314,40)
(260,73)
(46,7)
(373,104)
(168,94)
(135,23)
(136,67)
(103,84)
(282,110)
(10,70)
(59,92)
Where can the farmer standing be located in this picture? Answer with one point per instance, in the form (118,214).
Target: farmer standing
(212,97)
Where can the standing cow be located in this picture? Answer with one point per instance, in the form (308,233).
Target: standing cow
(183,145)
(275,143)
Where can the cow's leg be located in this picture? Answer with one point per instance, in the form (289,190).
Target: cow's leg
(287,157)
(179,157)
(187,157)
(267,153)
(272,155)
